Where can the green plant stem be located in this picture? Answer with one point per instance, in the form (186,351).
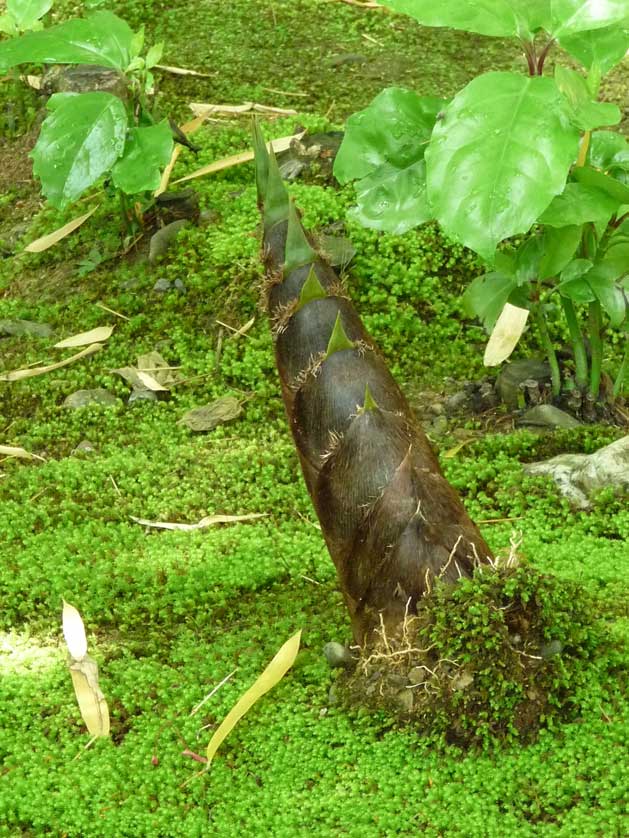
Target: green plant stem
(623,372)
(124,209)
(594,323)
(578,346)
(555,373)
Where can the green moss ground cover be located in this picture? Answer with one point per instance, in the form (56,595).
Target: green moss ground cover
(171,614)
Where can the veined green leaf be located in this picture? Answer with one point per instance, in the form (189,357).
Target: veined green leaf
(586,113)
(612,187)
(487,17)
(602,280)
(572,282)
(579,204)
(26,13)
(498,157)
(384,148)
(102,38)
(605,47)
(486,297)
(80,140)
(147,151)
(604,147)
(559,246)
(579,15)
(154,55)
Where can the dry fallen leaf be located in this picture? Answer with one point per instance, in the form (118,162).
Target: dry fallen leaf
(140,380)
(98,335)
(207,109)
(187,128)
(84,673)
(21,453)
(43,243)
(274,673)
(208,521)
(506,334)
(30,372)
(278,145)
(182,71)
(153,364)
(210,415)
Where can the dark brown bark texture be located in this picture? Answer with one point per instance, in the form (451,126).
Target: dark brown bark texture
(391,521)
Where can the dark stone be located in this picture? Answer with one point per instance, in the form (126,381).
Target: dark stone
(338,655)
(83,398)
(548,416)
(21,328)
(163,239)
(162,285)
(175,205)
(514,374)
(84,78)
(142,396)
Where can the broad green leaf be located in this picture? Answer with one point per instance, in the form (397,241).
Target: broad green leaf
(569,16)
(393,130)
(572,282)
(615,260)
(384,147)
(602,281)
(26,13)
(559,246)
(137,43)
(487,17)
(498,157)
(146,152)
(486,297)
(80,140)
(603,148)
(528,258)
(605,47)
(505,335)
(579,204)
(609,185)
(271,676)
(103,39)
(586,113)
(9,27)
(154,55)
(393,200)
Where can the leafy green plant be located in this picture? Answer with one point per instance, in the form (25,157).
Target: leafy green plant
(23,16)
(514,154)
(88,135)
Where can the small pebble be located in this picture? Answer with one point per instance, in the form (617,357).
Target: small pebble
(337,655)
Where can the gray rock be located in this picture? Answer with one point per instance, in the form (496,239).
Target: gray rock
(549,650)
(180,203)
(405,700)
(580,475)
(179,286)
(82,398)
(142,396)
(84,78)
(438,426)
(84,447)
(20,328)
(162,285)
(337,655)
(417,675)
(457,402)
(548,416)
(163,239)
(514,374)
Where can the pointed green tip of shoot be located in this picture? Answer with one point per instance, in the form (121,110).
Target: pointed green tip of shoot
(338,338)
(275,198)
(261,156)
(311,289)
(370,403)
(298,251)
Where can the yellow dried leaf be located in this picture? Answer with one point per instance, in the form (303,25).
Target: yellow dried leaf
(274,673)
(506,334)
(20,453)
(43,243)
(83,338)
(208,521)
(91,701)
(74,631)
(182,71)
(30,372)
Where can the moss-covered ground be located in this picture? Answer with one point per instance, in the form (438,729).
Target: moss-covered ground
(171,614)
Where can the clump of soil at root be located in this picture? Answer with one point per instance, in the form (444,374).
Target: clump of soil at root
(495,657)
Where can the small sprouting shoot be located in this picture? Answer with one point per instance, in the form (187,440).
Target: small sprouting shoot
(275,197)
(311,289)
(338,338)
(261,156)
(298,250)
(369,402)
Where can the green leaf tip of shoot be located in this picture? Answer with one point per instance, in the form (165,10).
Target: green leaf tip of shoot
(298,251)
(261,156)
(338,338)
(275,198)
(369,403)
(311,289)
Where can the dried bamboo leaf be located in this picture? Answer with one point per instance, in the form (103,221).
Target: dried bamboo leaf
(182,71)
(30,372)
(140,380)
(102,333)
(74,631)
(208,521)
(50,239)
(506,334)
(273,673)
(19,453)
(281,144)
(207,109)
(158,368)
(91,701)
